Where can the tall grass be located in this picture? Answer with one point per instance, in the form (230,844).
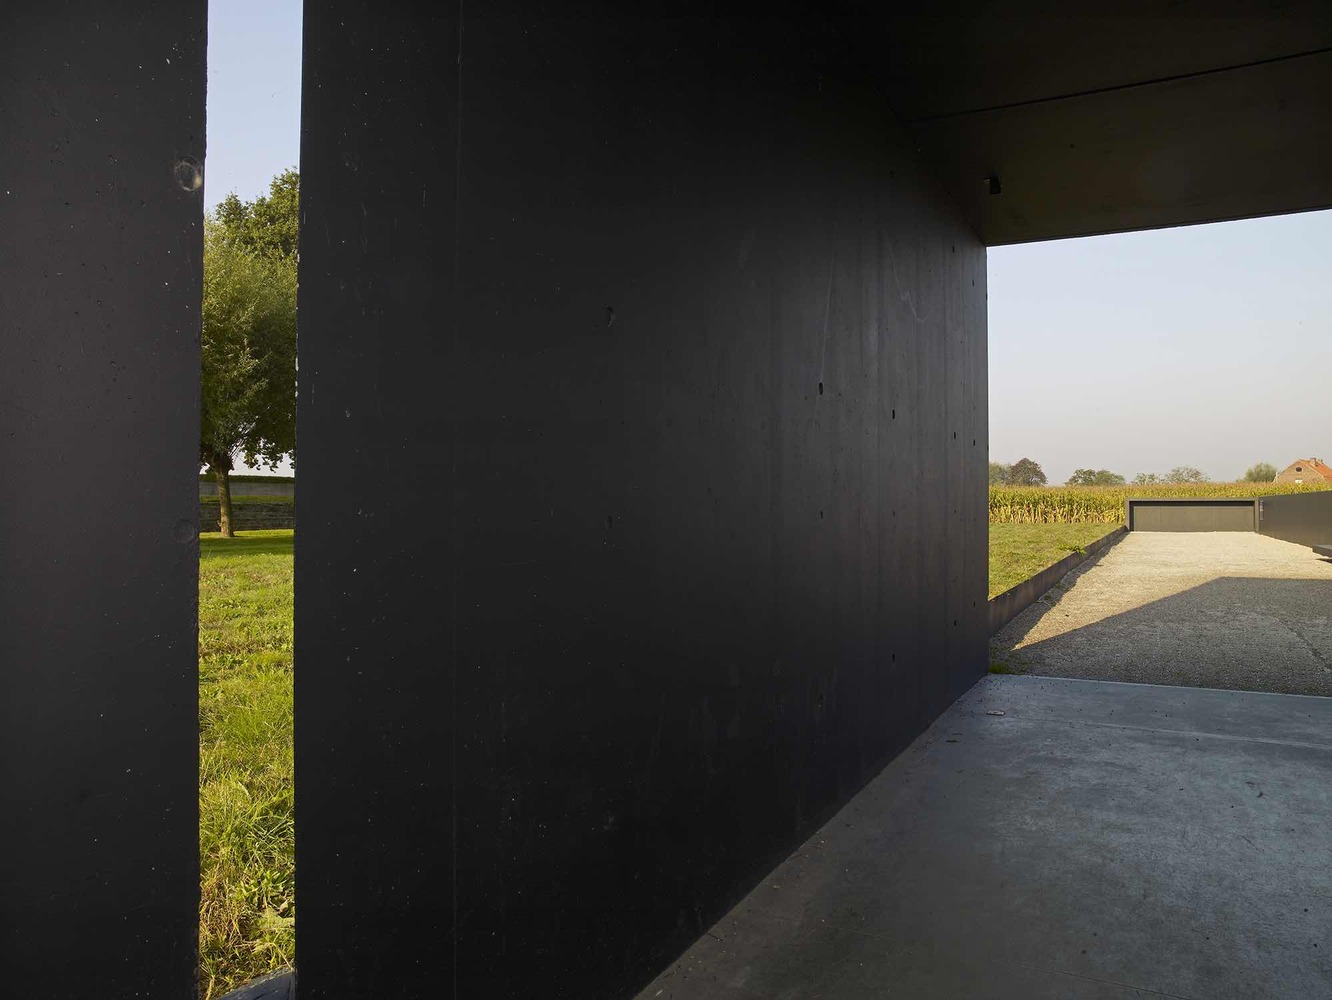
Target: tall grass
(247,913)
(1105,504)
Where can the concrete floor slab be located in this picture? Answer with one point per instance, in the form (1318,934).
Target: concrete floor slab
(1212,609)
(1096,840)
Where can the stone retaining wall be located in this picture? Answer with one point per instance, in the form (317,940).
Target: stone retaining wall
(249,515)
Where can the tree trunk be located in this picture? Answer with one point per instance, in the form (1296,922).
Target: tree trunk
(222,474)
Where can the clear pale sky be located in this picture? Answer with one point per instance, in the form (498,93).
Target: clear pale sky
(254,95)
(1208,346)
(254,105)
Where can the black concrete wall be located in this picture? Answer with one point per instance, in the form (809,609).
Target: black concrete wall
(1191,514)
(1303,518)
(677,361)
(100,268)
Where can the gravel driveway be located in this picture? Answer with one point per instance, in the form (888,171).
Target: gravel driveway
(1202,609)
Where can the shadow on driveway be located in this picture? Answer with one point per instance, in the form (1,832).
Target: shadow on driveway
(1239,633)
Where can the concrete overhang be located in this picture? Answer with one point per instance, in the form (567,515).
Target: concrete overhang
(1122,117)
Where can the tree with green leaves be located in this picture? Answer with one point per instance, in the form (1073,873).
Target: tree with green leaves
(270,224)
(999,472)
(249,336)
(1095,477)
(1025,472)
(1146,479)
(1185,474)
(1262,472)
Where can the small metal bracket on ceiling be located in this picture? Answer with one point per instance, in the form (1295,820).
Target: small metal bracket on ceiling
(993,181)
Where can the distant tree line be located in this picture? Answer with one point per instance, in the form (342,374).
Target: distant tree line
(1179,474)
(1260,472)
(1025,472)
(1095,477)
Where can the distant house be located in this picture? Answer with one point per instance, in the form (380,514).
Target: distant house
(1306,470)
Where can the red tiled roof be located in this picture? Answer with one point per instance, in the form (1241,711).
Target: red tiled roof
(1312,465)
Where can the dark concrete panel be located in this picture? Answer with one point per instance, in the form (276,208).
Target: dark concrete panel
(1121,116)
(274,986)
(980,54)
(1303,518)
(1233,145)
(1192,515)
(100,284)
(678,361)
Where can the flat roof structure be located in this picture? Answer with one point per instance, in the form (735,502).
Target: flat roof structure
(1111,117)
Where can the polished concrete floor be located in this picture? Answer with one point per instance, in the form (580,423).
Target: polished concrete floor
(1050,837)
(1224,609)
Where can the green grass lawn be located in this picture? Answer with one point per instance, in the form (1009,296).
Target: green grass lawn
(1020,551)
(247,913)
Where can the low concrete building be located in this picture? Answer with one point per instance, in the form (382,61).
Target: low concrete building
(1306,470)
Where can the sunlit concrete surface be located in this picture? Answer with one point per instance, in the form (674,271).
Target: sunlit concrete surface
(1088,839)
(1207,609)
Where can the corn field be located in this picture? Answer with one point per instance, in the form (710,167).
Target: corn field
(1105,504)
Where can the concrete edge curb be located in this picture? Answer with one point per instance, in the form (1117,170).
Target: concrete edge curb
(1012,602)
(280,985)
